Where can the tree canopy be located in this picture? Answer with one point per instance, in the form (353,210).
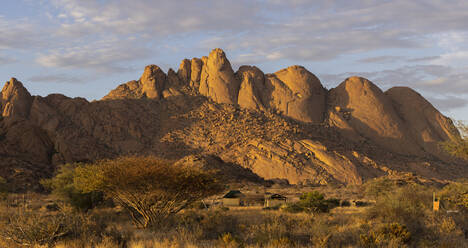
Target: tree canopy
(150,188)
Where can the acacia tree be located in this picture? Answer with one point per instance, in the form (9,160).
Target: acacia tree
(151,189)
(459,147)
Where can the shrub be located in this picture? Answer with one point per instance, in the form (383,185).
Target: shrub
(151,189)
(387,235)
(378,187)
(455,195)
(63,186)
(458,147)
(312,202)
(228,241)
(273,230)
(409,205)
(292,208)
(316,202)
(35,229)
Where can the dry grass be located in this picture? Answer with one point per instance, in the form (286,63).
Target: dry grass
(253,227)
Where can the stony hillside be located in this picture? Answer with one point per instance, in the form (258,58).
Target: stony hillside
(284,125)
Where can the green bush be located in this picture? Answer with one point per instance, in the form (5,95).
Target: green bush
(292,208)
(315,202)
(312,202)
(64,187)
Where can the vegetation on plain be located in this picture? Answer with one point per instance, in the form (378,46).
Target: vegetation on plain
(152,209)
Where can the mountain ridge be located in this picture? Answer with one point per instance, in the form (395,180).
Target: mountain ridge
(282,125)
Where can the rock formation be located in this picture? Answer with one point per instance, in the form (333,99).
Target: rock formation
(297,93)
(284,125)
(150,85)
(371,114)
(426,124)
(217,79)
(15,100)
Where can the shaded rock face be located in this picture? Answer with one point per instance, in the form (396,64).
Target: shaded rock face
(283,125)
(252,87)
(427,125)
(369,112)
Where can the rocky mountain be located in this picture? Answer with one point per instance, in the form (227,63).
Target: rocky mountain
(283,125)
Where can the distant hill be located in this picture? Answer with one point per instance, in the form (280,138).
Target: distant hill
(283,125)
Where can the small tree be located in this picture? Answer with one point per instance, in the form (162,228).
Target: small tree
(315,202)
(151,189)
(312,202)
(63,186)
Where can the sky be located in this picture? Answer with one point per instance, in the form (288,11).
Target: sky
(88,47)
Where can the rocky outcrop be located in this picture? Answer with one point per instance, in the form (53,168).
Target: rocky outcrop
(195,72)
(297,93)
(370,113)
(248,124)
(427,125)
(217,79)
(252,87)
(15,100)
(293,92)
(185,71)
(150,85)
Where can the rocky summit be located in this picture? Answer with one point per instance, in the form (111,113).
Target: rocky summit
(248,124)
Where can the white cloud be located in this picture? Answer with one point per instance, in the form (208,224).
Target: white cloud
(103,56)
(57,78)
(106,36)
(381,59)
(19,34)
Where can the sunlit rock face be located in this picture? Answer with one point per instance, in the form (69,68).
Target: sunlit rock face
(217,79)
(15,100)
